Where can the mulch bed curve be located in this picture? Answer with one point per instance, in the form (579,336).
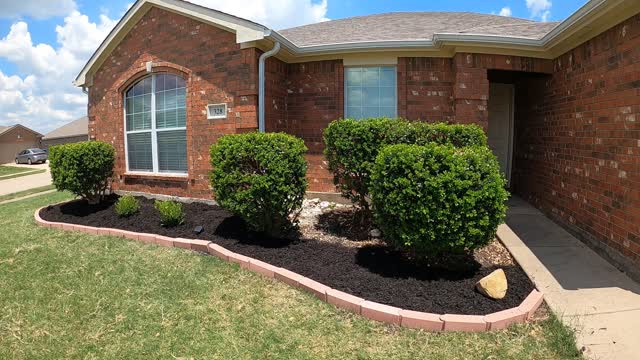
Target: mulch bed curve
(371,271)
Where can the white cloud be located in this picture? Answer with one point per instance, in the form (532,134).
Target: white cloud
(276,14)
(539,9)
(20,105)
(505,11)
(82,37)
(39,9)
(44,97)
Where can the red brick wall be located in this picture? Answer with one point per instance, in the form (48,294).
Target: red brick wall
(276,96)
(216,71)
(579,149)
(429,89)
(425,89)
(315,98)
(301,100)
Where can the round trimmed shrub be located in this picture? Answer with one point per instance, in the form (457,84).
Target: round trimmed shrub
(127,205)
(260,177)
(436,199)
(171,213)
(351,147)
(83,168)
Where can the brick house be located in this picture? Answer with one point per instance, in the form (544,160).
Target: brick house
(559,101)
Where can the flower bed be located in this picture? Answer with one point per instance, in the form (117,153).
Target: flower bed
(367,270)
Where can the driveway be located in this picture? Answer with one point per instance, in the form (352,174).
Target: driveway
(27,182)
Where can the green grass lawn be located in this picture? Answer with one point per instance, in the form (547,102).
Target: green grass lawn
(73,295)
(26,192)
(9,170)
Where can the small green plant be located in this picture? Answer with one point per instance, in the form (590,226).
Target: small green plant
(436,199)
(83,168)
(261,178)
(171,213)
(127,205)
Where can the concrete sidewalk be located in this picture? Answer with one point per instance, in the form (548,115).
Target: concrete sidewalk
(601,303)
(26,182)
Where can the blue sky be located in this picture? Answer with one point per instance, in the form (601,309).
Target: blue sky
(44,43)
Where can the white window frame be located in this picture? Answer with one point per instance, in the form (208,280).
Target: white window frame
(154,132)
(346,104)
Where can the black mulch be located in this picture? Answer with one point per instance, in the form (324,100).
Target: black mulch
(373,272)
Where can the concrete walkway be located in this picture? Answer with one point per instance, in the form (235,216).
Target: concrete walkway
(26,182)
(601,303)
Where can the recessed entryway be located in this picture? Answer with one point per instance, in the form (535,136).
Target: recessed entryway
(500,133)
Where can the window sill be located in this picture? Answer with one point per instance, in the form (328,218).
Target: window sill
(156,176)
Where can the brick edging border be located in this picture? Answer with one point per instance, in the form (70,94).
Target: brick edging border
(360,306)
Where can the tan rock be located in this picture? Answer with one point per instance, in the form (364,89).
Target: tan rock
(493,285)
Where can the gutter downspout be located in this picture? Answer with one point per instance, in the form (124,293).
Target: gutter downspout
(261,66)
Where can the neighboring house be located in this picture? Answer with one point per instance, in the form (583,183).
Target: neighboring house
(72,132)
(560,102)
(14,139)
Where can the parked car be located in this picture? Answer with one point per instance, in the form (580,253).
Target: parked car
(31,156)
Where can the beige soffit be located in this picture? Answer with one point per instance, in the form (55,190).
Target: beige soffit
(595,17)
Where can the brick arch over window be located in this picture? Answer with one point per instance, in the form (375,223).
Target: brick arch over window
(135,74)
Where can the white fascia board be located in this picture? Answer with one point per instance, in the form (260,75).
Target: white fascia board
(245,30)
(443,38)
(569,22)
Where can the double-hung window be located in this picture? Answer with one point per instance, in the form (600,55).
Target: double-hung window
(155,125)
(370,92)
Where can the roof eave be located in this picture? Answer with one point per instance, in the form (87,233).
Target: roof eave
(567,34)
(438,42)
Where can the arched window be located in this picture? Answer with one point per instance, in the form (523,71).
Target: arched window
(156,126)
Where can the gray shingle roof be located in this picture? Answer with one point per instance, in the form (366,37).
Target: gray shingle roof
(4,129)
(413,26)
(75,128)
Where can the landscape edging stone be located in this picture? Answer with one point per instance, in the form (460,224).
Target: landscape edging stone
(340,299)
